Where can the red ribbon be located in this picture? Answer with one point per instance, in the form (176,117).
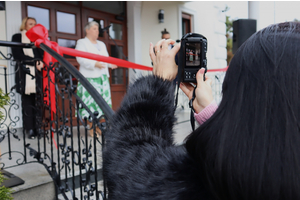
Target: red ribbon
(107,59)
(218,70)
(39,34)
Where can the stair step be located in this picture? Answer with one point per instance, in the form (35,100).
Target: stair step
(38,183)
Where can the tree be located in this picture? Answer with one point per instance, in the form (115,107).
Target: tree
(229,30)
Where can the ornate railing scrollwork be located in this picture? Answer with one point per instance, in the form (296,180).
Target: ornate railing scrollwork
(63,144)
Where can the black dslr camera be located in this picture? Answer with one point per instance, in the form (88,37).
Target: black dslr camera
(191,56)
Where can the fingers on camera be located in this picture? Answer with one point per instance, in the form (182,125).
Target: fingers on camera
(200,75)
(151,52)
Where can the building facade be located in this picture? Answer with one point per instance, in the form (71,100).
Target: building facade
(134,24)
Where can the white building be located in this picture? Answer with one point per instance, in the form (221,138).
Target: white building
(134,25)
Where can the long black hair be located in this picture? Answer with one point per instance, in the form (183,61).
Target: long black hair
(250,147)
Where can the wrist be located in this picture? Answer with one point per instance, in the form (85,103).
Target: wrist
(165,75)
(199,107)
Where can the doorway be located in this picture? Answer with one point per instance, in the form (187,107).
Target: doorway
(65,21)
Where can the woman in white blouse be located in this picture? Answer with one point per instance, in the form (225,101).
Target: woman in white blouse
(96,72)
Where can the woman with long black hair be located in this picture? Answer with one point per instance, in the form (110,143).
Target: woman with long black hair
(247,150)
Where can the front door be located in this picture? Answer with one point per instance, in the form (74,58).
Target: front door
(115,39)
(65,22)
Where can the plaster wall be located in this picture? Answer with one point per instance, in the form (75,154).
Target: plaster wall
(207,19)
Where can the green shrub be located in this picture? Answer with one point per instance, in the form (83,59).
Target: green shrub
(5,193)
(4,100)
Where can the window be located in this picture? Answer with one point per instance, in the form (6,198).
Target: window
(115,31)
(117,75)
(66,22)
(66,43)
(40,14)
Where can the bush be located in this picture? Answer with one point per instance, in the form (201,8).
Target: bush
(4,100)
(5,193)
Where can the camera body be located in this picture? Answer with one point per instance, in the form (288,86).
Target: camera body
(191,56)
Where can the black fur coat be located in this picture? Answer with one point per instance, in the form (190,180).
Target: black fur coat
(140,159)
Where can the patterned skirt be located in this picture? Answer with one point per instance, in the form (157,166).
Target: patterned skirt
(101,84)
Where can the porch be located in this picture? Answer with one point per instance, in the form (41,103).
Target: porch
(64,162)
(39,184)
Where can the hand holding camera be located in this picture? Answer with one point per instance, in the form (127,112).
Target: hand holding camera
(163,60)
(203,91)
(192,65)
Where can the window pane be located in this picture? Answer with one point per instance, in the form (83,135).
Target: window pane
(101,24)
(65,22)
(67,43)
(117,74)
(40,14)
(115,31)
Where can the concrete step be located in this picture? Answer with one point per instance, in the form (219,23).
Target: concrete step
(38,183)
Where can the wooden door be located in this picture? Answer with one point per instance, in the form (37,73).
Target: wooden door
(65,22)
(115,39)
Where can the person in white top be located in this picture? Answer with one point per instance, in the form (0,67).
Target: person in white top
(96,72)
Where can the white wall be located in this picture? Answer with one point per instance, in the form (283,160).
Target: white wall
(208,20)
(134,37)
(151,28)
(263,12)
(13,22)
(3,62)
(2,49)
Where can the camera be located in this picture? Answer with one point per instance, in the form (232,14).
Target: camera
(191,56)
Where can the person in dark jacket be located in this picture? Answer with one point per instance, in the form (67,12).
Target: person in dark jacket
(247,150)
(140,159)
(25,84)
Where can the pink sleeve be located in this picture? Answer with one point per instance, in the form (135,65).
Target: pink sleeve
(206,113)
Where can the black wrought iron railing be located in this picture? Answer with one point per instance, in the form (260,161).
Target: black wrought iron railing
(63,144)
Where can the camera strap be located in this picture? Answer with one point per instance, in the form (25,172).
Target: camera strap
(192,117)
(179,78)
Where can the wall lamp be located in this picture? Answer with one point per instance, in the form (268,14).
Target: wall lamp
(161,16)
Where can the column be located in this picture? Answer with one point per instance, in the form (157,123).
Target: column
(134,9)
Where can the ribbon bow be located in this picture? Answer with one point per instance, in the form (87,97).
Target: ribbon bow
(39,34)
